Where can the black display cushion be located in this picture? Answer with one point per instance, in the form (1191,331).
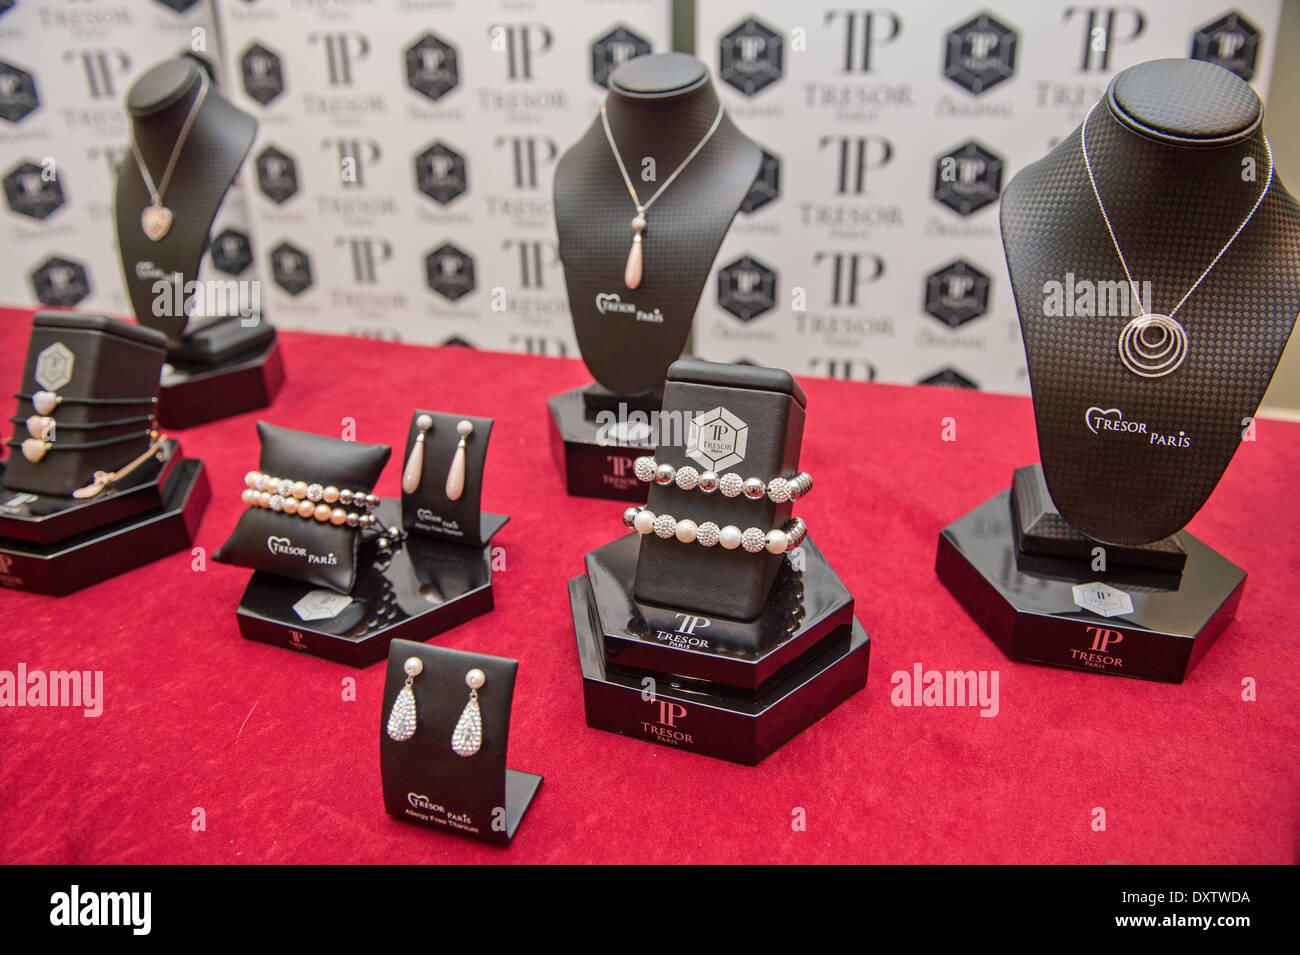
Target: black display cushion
(303,548)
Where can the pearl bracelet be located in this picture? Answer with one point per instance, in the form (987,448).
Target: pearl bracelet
(645,521)
(731,484)
(308,500)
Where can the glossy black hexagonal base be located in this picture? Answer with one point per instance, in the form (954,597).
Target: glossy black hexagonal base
(596,459)
(197,393)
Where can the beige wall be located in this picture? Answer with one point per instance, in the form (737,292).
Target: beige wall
(1282,122)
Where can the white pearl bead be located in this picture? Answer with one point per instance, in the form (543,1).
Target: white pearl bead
(475,678)
(464,429)
(777,542)
(645,522)
(413,666)
(686,530)
(729,537)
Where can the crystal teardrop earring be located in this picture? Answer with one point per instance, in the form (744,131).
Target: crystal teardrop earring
(414,469)
(401,721)
(456,476)
(467,738)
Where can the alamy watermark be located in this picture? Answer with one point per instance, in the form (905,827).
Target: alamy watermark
(1087,298)
(74,689)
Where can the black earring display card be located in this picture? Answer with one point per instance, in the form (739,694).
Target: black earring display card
(429,509)
(226,361)
(84,376)
(425,781)
(730,418)
(1179,156)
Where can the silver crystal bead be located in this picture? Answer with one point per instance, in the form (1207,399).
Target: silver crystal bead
(284,488)
(315,492)
(753,540)
(687,477)
(731,484)
(707,533)
(644,468)
(778,489)
(276,502)
(665,526)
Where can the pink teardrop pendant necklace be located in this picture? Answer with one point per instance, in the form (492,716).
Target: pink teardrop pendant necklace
(156,218)
(632,272)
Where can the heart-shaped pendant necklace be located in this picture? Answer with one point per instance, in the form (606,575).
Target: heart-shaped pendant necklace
(156,219)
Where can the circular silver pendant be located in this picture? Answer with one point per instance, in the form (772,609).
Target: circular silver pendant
(1152,345)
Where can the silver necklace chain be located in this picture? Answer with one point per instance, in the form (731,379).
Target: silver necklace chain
(642,207)
(157,193)
(1083,146)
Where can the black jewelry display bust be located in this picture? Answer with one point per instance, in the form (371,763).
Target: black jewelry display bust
(1178,152)
(659,108)
(226,363)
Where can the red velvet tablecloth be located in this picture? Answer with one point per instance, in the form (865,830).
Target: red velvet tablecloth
(286,770)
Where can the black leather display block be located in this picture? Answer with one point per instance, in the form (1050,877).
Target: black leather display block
(425,781)
(732,689)
(595,458)
(413,591)
(196,393)
(64,566)
(46,518)
(1149,624)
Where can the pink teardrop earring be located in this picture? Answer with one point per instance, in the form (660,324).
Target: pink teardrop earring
(414,469)
(456,476)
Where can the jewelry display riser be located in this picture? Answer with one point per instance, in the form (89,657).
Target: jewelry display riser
(424,780)
(735,690)
(130,538)
(414,590)
(594,458)
(196,393)
(1060,611)
(429,510)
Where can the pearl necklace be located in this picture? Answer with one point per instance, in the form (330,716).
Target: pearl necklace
(632,272)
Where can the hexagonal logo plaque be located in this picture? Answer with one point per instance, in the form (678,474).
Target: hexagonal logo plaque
(968,178)
(746,288)
(750,56)
(321,605)
(60,282)
(291,268)
(613,50)
(17,92)
(717,439)
(981,54)
(1102,599)
(262,74)
(54,366)
(231,252)
(277,175)
(956,293)
(1231,42)
(450,272)
(440,173)
(432,68)
(767,184)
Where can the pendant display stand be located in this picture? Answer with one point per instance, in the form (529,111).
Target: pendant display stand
(725,653)
(1041,591)
(412,591)
(661,107)
(219,365)
(424,780)
(57,545)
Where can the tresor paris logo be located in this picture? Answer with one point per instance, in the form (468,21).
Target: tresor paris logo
(74,907)
(1103,421)
(612,303)
(284,547)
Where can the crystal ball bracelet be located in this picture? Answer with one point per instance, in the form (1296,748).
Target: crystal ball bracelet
(646,521)
(731,484)
(309,500)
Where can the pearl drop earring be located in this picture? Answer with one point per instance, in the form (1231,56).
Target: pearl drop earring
(456,476)
(414,469)
(401,721)
(467,738)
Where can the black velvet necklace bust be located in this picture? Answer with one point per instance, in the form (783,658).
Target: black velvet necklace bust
(659,107)
(210,157)
(1173,146)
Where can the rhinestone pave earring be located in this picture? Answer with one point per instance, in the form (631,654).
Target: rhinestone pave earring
(401,721)
(414,469)
(468,735)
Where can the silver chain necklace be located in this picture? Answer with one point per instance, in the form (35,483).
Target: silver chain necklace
(632,272)
(1155,359)
(156,219)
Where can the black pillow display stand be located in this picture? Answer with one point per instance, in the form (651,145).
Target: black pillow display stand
(52,542)
(726,653)
(224,364)
(424,780)
(421,586)
(1084,562)
(659,108)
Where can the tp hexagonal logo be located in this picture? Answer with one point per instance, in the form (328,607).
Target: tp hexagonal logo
(450,272)
(956,293)
(1102,599)
(746,288)
(1231,42)
(613,50)
(981,53)
(968,178)
(767,184)
(291,268)
(60,282)
(277,175)
(178,6)
(455,341)
(948,377)
(431,67)
(30,192)
(717,439)
(54,366)
(262,73)
(17,92)
(440,173)
(231,252)
(750,56)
